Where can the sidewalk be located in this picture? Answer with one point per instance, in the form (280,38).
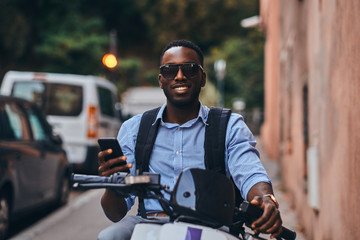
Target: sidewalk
(287,214)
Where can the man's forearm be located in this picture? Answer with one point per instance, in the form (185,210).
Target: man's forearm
(115,208)
(259,189)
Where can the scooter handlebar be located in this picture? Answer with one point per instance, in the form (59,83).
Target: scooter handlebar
(250,213)
(115,178)
(120,180)
(287,234)
(125,184)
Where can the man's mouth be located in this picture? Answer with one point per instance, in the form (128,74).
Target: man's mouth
(180,89)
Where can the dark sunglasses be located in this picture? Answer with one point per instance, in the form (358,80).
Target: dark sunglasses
(190,70)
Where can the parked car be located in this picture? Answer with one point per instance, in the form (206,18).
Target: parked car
(34,170)
(80,108)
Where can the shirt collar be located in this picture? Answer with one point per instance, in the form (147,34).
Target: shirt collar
(203,113)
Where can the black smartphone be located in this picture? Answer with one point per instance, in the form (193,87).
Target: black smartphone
(110,142)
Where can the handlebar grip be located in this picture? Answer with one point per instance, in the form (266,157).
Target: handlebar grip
(82,178)
(288,234)
(252,212)
(116,178)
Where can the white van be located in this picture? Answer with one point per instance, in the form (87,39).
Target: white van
(136,100)
(80,108)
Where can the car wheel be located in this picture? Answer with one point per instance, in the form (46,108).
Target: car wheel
(63,192)
(4,215)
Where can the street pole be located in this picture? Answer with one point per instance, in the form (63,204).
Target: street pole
(220,69)
(113,42)
(113,51)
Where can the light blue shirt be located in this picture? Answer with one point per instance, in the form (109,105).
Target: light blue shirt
(178,147)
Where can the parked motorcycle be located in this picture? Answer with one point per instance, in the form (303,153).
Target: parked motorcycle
(201,205)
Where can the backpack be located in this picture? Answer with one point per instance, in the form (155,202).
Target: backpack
(214,144)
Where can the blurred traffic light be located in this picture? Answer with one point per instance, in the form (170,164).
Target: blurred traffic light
(109,60)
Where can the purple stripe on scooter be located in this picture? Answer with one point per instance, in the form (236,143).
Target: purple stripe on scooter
(193,234)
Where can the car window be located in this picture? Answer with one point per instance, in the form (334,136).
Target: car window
(53,98)
(6,132)
(37,128)
(107,103)
(64,100)
(31,91)
(13,122)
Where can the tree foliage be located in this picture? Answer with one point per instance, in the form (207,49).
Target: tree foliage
(51,35)
(207,23)
(72,36)
(244,77)
(72,45)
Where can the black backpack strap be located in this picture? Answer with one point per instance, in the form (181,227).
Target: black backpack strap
(215,135)
(144,144)
(145,139)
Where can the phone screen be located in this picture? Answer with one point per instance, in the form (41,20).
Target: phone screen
(110,142)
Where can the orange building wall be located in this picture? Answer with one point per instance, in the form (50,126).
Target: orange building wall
(315,45)
(270,128)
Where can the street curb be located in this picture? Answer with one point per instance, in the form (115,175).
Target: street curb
(57,216)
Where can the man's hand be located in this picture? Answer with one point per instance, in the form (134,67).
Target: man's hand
(270,222)
(107,168)
(114,207)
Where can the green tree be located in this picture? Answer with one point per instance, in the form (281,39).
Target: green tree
(207,23)
(16,34)
(77,45)
(128,73)
(50,35)
(244,67)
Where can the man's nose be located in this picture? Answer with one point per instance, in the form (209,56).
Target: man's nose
(180,75)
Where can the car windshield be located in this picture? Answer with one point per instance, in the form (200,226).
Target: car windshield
(55,99)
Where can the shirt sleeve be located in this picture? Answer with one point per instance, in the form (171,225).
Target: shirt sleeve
(127,139)
(242,158)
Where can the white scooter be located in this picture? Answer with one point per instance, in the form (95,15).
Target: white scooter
(201,206)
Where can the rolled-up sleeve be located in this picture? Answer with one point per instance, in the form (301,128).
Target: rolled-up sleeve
(242,158)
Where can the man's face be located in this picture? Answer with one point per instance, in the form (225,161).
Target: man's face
(181,90)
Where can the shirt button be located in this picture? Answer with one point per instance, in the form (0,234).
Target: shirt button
(177,152)
(178,129)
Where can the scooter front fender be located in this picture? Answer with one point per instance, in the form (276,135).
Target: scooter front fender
(146,231)
(178,231)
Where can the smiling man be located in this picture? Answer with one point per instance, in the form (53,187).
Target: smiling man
(181,78)
(179,144)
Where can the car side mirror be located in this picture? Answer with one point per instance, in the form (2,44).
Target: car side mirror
(56,139)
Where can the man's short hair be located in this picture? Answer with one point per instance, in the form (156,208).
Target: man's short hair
(184,43)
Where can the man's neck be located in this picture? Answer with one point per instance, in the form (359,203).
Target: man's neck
(181,115)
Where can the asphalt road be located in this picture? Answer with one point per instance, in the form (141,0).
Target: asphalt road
(81,218)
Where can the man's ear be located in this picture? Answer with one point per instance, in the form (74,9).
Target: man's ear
(203,79)
(160,83)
